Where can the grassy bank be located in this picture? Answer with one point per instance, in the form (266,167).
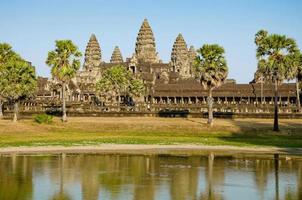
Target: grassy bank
(135,130)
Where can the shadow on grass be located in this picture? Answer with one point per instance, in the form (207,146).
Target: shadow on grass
(260,134)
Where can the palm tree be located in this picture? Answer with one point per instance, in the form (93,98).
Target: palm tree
(296,60)
(258,77)
(211,69)
(64,62)
(273,54)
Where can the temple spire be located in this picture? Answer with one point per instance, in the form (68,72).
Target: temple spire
(145,49)
(180,57)
(116,56)
(93,56)
(192,56)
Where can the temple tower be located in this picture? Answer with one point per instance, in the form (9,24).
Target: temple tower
(180,57)
(145,49)
(116,56)
(93,57)
(192,56)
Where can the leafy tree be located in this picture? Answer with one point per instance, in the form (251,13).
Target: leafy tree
(6,54)
(18,80)
(136,88)
(274,62)
(211,69)
(64,62)
(117,81)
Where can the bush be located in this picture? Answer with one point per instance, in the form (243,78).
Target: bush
(43,119)
(55,111)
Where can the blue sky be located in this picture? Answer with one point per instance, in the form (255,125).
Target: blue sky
(32,26)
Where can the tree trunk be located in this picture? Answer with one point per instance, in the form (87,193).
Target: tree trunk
(1,109)
(152,95)
(210,108)
(16,110)
(298,95)
(64,117)
(261,90)
(276,123)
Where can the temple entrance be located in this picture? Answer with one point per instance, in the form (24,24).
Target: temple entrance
(133,69)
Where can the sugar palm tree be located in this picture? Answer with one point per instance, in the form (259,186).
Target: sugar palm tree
(211,69)
(258,77)
(299,80)
(296,61)
(64,62)
(274,62)
(7,53)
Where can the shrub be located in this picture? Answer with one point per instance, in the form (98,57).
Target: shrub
(43,118)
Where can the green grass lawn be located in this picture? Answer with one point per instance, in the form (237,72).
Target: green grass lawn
(148,130)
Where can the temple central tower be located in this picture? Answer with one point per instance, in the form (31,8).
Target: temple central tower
(145,49)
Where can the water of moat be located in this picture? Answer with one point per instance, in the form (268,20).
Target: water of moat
(91,177)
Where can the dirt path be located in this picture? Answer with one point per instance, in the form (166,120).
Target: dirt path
(150,149)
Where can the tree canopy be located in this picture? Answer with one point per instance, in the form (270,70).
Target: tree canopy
(117,80)
(17,75)
(296,65)
(64,60)
(18,79)
(274,53)
(7,54)
(210,66)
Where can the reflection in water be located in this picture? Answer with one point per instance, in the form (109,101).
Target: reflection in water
(214,178)
(61,194)
(16,178)
(92,177)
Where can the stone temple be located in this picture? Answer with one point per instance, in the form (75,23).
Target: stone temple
(169,83)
